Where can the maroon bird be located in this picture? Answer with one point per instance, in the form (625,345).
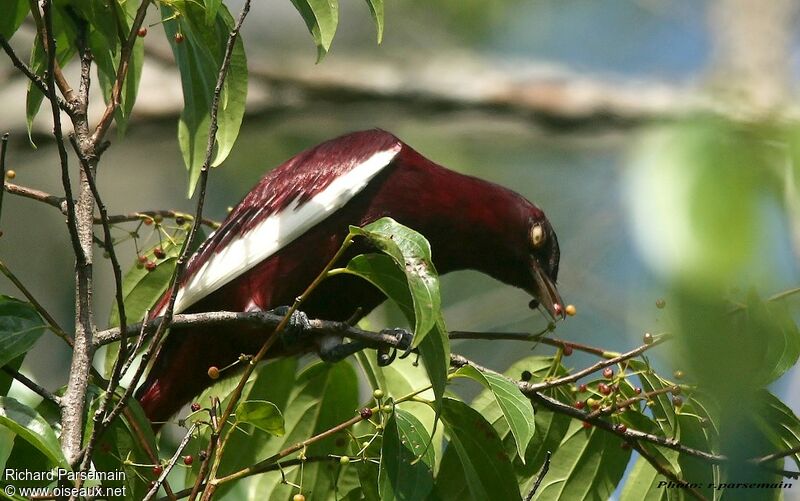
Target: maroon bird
(284,232)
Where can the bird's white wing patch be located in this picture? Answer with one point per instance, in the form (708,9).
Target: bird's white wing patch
(278,230)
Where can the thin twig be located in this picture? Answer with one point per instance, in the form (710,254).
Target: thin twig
(3,146)
(540,477)
(39,390)
(174,459)
(35,79)
(272,467)
(538,337)
(122,72)
(199,483)
(599,365)
(60,204)
(777,455)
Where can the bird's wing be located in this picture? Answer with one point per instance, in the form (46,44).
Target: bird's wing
(285,204)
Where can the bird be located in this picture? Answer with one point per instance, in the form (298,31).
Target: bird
(289,226)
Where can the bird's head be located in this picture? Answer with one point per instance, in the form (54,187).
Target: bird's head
(542,266)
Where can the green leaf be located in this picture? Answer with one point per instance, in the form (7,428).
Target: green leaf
(774,328)
(486,472)
(321,18)
(20,328)
(642,484)
(516,408)
(262,414)
(777,422)
(199,57)
(402,476)
(549,429)
(6,445)
(324,395)
(412,254)
(376,9)
(31,427)
(588,465)
(383,272)
(662,409)
(14,12)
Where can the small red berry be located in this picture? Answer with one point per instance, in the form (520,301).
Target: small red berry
(365,413)
(150,265)
(608,373)
(567,350)
(195,407)
(142,259)
(142,32)
(188,460)
(159,253)
(147,221)
(179,38)
(580,404)
(158,470)
(582,387)
(621,428)
(586,425)
(213,372)
(604,389)
(637,390)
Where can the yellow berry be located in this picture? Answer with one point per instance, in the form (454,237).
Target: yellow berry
(571,310)
(213,372)
(10,174)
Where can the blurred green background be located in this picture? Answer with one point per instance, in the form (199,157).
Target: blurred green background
(680,181)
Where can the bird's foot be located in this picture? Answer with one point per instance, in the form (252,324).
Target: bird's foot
(296,330)
(387,354)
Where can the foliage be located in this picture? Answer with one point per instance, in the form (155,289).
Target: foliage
(534,430)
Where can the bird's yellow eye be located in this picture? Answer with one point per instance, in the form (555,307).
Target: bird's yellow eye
(537,236)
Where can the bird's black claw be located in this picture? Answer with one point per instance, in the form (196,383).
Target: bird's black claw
(402,336)
(297,327)
(386,354)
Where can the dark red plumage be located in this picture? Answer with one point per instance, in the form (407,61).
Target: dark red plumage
(470,223)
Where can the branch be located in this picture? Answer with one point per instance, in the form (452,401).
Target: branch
(124,61)
(60,203)
(249,318)
(116,371)
(39,390)
(3,146)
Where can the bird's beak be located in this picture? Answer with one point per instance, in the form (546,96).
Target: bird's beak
(546,293)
